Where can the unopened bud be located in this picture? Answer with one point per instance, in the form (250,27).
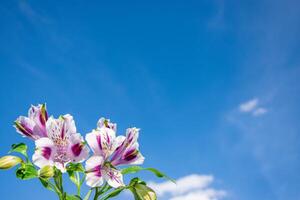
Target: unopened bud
(144,192)
(7,162)
(46,172)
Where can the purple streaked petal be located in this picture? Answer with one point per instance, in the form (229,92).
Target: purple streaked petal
(99,141)
(93,168)
(128,150)
(113,177)
(43,115)
(59,130)
(94,142)
(130,155)
(25,126)
(97,171)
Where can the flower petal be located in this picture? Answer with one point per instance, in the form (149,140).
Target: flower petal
(113,177)
(93,162)
(131,156)
(138,160)
(93,171)
(102,122)
(60,129)
(39,115)
(132,135)
(92,141)
(77,150)
(102,141)
(44,153)
(25,126)
(127,153)
(93,180)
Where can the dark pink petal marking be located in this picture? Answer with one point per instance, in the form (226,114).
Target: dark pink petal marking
(24,129)
(113,176)
(97,171)
(42,120)
(131,154)
(99,141)
(76,149)
(62,134)
(43,115)
(119,151)
(46,152)
(107,137)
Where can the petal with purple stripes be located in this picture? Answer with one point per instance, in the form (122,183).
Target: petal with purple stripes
(93,171)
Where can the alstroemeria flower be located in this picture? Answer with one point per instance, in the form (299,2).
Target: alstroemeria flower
(33,126)
(103,141)
(62,146)
(104,144)
(127,153)
(98,171)
(102,122)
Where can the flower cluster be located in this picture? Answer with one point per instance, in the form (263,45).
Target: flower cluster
(109,152)
(60,148)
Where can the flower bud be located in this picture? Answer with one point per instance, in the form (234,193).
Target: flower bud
(144,192)
(7,162)
(46,172)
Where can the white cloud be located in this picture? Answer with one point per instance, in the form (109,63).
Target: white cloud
(249,105)
(208,194)
(259,111)
(191,187)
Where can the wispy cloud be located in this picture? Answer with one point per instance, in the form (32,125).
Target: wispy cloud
(251,106)
(259,111)
(191,187)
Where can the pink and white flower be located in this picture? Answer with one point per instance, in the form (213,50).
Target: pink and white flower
(98,171)
(33,126)
(127,153)
(109,152)
(62,146)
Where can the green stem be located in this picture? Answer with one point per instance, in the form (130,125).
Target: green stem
(96,193)
(58,183)
(78,183)
(101,190)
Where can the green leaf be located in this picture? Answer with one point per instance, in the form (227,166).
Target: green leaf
(46,184)
(73,177)
(77,167)
(73,169)
(87,196)
(20,148)
(135,169)
(114,193)
(73,197)
(26,171)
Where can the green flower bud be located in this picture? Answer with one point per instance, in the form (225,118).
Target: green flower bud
(144,192)
(46,172)
(7,162)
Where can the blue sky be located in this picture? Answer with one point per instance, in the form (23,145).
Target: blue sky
(213,85)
